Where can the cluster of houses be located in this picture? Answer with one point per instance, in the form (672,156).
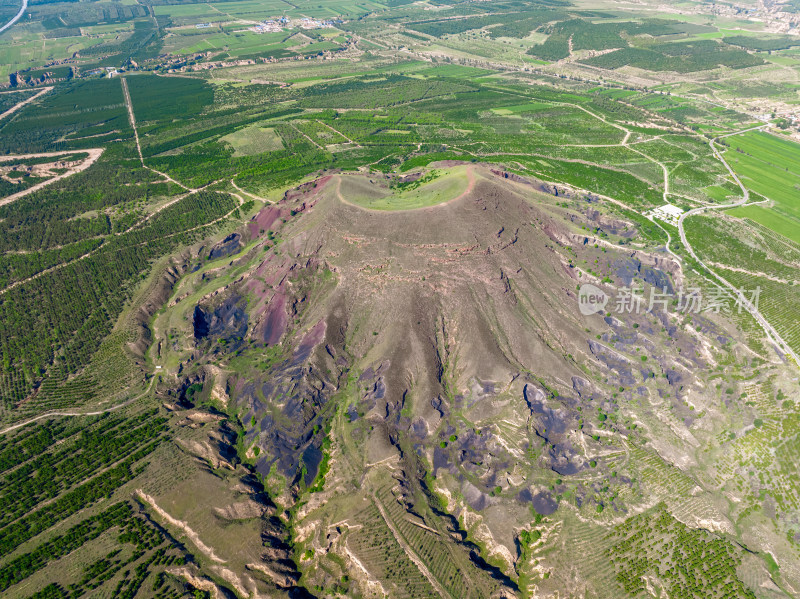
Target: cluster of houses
(271,25)
(284,22)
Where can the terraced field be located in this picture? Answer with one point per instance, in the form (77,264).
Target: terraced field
(384,558)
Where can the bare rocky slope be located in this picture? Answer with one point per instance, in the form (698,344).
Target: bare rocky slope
(410,390)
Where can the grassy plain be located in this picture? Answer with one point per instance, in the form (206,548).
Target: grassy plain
(253,140)
(446,185)
(786,224)
(37,51)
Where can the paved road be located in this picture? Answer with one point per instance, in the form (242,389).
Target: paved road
(768,328)
(16,17)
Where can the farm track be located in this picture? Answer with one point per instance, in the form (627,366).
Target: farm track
(128,230)
(252,195)
(94,154)
(58,414)
(16,107)
(132,118)
(48,270)
(761,275)
(307,137)
(355,143)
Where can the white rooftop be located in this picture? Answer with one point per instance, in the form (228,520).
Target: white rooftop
(670,209)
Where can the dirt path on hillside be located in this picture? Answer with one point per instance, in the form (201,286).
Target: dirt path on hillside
(306,136)
(252,195)
(752,273)
(356,144)
(409,551)
(470,185)
(181,525)
(94,413)
(239,199)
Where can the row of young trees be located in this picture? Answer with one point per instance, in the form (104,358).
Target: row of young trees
(688,562)
(70,462)
(76,305)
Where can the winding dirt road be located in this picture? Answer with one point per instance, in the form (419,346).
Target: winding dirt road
(772,334)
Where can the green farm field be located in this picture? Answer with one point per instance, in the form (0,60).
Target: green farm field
(37,51)
(785,223)
(187,13)
(256,9)
(236,43)
(770,166)
(253,140)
